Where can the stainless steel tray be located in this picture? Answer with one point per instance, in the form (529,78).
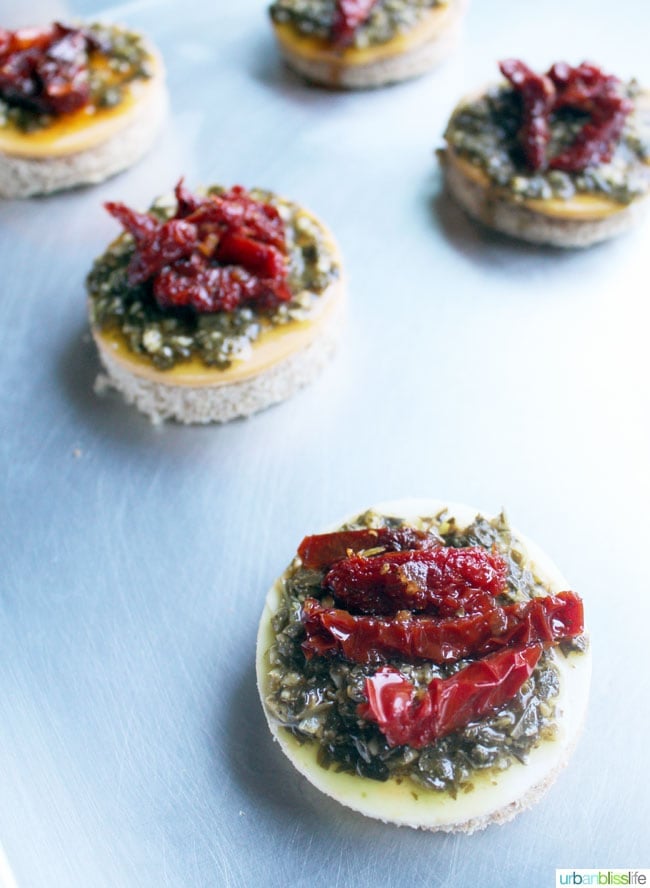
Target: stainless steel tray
(134,560)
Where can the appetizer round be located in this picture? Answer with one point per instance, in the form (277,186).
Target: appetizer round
(350,44)
(425,666)
(561,158)
(214,306)
(77,105)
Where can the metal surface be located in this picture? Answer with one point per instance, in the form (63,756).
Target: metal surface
(135,560)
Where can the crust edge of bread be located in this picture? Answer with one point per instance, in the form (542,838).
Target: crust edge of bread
(219,400)
(495,210)
(22,177)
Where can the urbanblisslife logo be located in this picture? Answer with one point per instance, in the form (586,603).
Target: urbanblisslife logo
(602,877)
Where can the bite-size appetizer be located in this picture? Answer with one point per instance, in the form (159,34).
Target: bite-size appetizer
(215,305)
(365,43)
(425,666)
(561,158)
(77,105)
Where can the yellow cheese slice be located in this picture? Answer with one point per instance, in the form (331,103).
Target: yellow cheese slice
(86,128)
(432,23)
(580,206)
(274,345)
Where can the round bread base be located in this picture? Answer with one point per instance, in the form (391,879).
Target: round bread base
(495,796)
(27,176)
(488,205)
(387,67)
(223,401)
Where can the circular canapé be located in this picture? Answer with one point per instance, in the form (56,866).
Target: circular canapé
(415,794)
(198,363)
(391,44)
(101,130)
(578,188)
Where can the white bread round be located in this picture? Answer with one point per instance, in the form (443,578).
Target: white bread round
(22,176)
(220,401)
(400,59)
(579,222)
(495,209)
(495,797)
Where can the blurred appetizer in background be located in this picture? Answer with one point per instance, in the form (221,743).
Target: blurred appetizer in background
(356,44)
(215,305)
(561,158)
(425,666)
(77,105)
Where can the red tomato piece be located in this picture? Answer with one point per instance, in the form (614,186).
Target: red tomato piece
(449,704)
(441,580)
(366,639)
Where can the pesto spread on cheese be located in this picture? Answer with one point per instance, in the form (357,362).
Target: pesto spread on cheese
(97,64)
(387,19)
(166,337)
(484,132)
(317,699)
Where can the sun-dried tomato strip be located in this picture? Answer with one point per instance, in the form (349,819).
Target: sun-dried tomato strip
(215,254)
(585,89)
(158,244)
(537,95)
(589,90)
(46,69)
(448,704)
(259,258)
(322,550)
(349,15)
(442,581)
(236,210)
(141,226)
(365,639)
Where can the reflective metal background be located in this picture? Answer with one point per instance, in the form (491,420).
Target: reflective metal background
(134,560)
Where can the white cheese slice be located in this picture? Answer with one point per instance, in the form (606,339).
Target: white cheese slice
(496,796)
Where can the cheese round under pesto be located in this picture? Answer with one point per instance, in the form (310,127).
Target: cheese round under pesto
(387,19)
(124,80)
(485,773)
(195,367)
(404,40)
(482,133)
(194,344)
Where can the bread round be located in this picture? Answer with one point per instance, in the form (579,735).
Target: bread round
(281,362)
(89,154)
(580,221)
(407,55)
(496,797)
(211,395)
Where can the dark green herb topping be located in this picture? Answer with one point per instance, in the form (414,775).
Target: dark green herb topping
(317,700)
(387,19)
(484,131)
(167,337)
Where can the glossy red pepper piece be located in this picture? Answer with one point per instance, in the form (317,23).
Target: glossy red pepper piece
(322,550)
(349,15)
(364,639)
(442,581)
(215,254)
(449,704)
